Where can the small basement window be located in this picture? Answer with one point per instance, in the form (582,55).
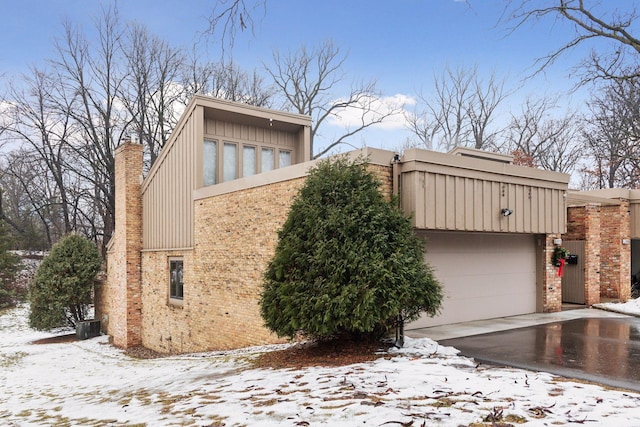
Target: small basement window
(176,279)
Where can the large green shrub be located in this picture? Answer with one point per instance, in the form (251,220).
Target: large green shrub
(347,262)
(62,289)
(10,264)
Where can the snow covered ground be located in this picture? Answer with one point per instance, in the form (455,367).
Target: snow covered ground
(90,383)
(631,307)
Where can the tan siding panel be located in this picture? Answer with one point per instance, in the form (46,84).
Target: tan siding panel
(526,209)
(548,221)
(168,198)
(450,202)
(562,211)
(439,201)
(634,210)
(478,207)
(496,199)
(515,221)
(446,201)
(531,196)
(469,202)
(413,199)
(459,209)
(541,208)
(425,186)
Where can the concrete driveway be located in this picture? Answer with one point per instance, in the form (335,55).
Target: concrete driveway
(587,344)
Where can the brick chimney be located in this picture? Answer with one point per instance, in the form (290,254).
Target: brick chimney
(120,299)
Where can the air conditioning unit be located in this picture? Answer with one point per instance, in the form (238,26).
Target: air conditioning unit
(87,329)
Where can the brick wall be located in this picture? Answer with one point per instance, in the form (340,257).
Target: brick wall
(615,256)
(118,300)
(385,176)
(235,236)
(166,326)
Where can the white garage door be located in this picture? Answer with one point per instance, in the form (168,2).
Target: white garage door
(484,276)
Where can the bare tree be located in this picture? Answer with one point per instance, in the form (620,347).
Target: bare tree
(224,80)
(460,112)
(196,76)
(229,16)
(542,138)
(612,136)
(31,200)
(232,83)
(590,23)
(309,79)
(89,85)
(150,90)
(44,134)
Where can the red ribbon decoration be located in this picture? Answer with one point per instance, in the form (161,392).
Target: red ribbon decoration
(561,267)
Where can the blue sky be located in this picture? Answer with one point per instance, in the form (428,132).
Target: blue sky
(399,43)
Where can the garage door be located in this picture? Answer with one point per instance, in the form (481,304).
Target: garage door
(484,276)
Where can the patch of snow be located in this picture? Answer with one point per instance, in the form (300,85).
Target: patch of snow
(631,307)
(92,383)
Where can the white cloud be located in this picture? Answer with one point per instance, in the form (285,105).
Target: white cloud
(372,108)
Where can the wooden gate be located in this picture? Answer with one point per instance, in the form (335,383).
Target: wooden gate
(573,279)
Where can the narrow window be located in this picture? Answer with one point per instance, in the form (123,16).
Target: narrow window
(210,163)
(230,161)
(248,160)
(268,158)
(284,159)
(176,275)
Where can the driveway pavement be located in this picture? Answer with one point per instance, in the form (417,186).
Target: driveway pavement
(587,344)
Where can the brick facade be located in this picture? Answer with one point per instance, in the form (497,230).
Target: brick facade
(235,234)
(606,232)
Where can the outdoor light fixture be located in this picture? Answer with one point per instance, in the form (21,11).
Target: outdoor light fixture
(506,211)
(396,158)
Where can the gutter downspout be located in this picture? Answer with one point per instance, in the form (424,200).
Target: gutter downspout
(395,178)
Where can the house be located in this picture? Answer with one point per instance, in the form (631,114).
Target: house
(185,264)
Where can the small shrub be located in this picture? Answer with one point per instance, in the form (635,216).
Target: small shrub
(62,290)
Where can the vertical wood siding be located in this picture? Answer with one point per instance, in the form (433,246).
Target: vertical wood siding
(634,213)
(168,196)
(252,134)
(168,199)
(446,201)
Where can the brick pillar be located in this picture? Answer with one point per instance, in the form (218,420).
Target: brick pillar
(615,252)
(551,282)
(583,223)
(592,255)
(124,263)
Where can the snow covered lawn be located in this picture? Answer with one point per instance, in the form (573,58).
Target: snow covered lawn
(90,383)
